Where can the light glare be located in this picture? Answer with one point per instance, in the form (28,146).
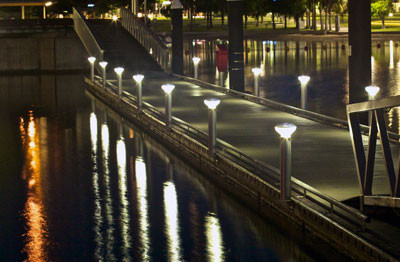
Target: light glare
(304,79)
(256,71)
(138,78)
(119,70)
(285,130)
(372,90)
(196,60)
(92,59)
(103,64)
(212,103)
(168,88)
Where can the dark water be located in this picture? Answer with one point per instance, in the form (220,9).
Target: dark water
(326,62)
(79,183)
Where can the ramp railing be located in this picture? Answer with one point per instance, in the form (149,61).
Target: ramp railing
(90,42)
(146,37)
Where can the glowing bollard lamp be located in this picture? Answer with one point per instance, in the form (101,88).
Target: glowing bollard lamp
(372,91)
(138,79)
(91,60)
(119,71)
(168,103)
(256,73)
(196,61)
(286,130)
(304,81)
(103,65)
(212,104)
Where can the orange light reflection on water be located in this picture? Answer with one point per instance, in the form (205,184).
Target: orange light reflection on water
(35,218)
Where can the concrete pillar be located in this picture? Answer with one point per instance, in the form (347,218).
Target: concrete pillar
(236,65)
(359,49)
(23,12)
(177,37)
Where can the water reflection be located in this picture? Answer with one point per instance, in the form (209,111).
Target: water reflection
(283,61)
(171,217)
(123,190)
(215,244)
(98,219)
(36,235)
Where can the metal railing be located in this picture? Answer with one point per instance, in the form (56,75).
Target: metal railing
(146,37)
(90,42)
(262,171)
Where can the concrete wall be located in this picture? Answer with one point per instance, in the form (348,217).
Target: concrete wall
(42,52)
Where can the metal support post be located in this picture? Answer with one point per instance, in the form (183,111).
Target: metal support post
(212,131)
(286,169)
(139,95)
(120,87)
(236,64)
(168,113)
(177,37)
(303,96)
(104,78)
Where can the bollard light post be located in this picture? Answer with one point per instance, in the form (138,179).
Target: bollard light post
(103,65)
(372,91)
(138,79)
(212,104)
(256,73)
(196,61)
(304,81)
(119,71)
(286,130)
(91,60)
(168,88)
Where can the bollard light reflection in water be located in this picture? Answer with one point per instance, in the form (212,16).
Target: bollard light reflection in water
(124,204)
(98,219)
(141,184)
(172,225)
(215,245)
(109,239)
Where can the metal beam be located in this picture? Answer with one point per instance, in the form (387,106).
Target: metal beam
(387,154)
(374,104)
(369,170)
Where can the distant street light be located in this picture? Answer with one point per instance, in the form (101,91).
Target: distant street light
(103,65)
(304,81)
(119,71)
(196,61)
(256,72)
(91,60)
(212,104)
(138,79)
(286,130)
(168,88)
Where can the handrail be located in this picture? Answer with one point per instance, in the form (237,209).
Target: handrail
(146,37)
(90,42)
(260,167)
(387,102)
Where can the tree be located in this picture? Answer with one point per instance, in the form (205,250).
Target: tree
(381,8)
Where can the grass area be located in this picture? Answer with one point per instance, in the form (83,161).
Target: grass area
(200,25)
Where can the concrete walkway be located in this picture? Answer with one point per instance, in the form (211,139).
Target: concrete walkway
(322,154)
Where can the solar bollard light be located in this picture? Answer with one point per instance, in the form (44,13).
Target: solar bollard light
(91,60)
(138,79)
(212,104)
(119,71)
(304,81)
(256,72)
(168,88)
(196,61)
(286,130)
(103,65)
